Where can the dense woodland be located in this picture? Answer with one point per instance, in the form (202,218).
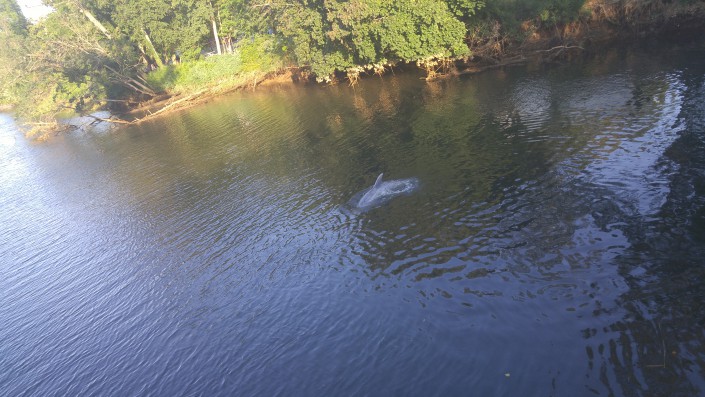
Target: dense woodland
(89,53)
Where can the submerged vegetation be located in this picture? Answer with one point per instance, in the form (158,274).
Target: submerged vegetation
(88,54)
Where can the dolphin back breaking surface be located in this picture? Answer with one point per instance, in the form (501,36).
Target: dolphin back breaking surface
(382,192)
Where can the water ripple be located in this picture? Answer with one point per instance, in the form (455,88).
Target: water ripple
(557,220)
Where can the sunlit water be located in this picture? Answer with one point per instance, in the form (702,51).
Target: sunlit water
(554,244)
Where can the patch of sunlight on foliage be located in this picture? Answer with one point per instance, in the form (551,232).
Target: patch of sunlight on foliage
(259,54)
(218,71)
(193,74)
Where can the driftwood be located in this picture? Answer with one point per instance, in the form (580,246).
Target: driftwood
(132,83)
(492,63)
(150,115)
(516,60)
(109,120)
(562,48)
(169,106)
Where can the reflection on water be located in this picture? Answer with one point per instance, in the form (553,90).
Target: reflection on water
(553,245)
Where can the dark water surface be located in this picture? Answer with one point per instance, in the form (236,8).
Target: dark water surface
(555,246)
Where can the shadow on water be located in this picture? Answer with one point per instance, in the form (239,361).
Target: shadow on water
(657,347)
(553,246)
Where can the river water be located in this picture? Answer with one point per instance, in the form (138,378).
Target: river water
(555,245)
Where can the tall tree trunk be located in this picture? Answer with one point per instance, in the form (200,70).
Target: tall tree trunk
(226,41)
(153,50)
(215,13)
(215,35)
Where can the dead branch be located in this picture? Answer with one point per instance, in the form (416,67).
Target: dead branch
(132,83)
(562,48)
(171,105)
(111,119)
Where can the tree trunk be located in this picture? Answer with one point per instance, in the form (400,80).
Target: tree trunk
(228,44)
(215,35)
(154,52)
(95,22)
(214,14)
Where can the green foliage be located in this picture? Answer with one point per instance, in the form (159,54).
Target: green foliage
(191,75)
(12,21)
(556,12)
(300,24)
(55,65)
(259,54)
(465,9)
(84,50)
(172,26)
(90,50)
(13,32)
(238,20)
(511,13)
(48,94)
(336,35)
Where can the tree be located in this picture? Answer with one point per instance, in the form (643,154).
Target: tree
(465,9)
(160,29)
(12,21)
(239,19)
(72,61)
(13,33)
(337,35)
(65,61)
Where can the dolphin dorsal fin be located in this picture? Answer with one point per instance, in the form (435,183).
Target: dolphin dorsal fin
(378,181)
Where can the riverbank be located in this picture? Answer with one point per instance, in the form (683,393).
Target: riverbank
(166,103)
(135,112)
(492,44)
(494,40)
(602,24)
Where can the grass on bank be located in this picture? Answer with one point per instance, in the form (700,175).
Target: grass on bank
(249,63)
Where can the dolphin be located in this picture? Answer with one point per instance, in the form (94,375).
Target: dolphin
(383,191)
